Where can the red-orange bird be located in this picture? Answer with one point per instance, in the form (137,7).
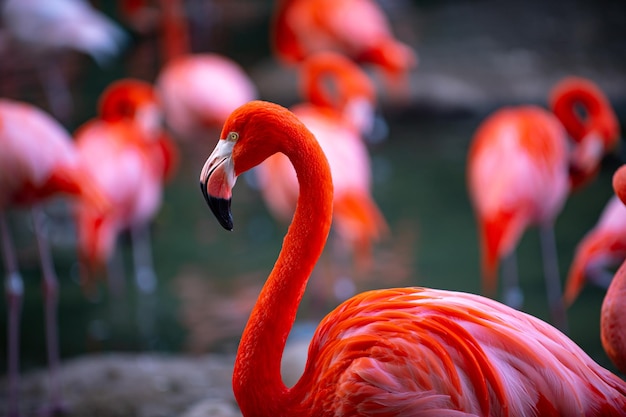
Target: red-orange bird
(394,352)
(358,29)
(519,166)
(37,161)
(336,116)
(587,115)
(603,247)
(198,91)
(129,157)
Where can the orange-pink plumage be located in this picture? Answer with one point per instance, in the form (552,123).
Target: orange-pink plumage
(393,352)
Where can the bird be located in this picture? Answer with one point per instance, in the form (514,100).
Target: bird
(358,29)
(197,90)
(38,162)
(602,248)
(522,166)
(393,352)
(45,29)
(517,177)
(337,117)
(591,123)
(131,158)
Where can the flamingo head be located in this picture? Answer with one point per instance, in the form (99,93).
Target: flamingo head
(252,133)
(135,101)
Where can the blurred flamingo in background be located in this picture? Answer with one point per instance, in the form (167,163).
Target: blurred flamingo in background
(198,91)
(130,158)
(336,116)
(392,352)
(358,29)
(587,115)
(38,161)
(520,172)
(517,177)
(47,28)
(602,248)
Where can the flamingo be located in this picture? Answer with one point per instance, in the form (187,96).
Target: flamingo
(393,352)
(38,161)
(336,118)
(602,247)
(198,91)
(48,27)
(130,158)
(587,115)
(520,172)
(358,29)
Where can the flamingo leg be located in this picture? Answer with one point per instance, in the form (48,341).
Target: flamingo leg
(512,294)
(51,300)
(551,274)
(145,280)
(14,288)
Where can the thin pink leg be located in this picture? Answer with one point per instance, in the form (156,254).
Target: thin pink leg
(14,288)
(51,298)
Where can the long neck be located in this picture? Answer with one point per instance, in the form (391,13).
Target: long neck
(257,381)
(613,320)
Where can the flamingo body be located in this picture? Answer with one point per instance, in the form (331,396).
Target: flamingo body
(517,177)
(199,91)
(355,28)
(396,352)
(38,158)
(63,24)
(125,172)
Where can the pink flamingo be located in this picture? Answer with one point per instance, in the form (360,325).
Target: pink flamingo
(128,155)
(391,352)
(198,91)
(46,28)
(518,176)
(38,161)
(358,29)
(602,247)
(336,119)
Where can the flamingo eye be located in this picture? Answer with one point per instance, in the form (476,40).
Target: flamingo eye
(232,137)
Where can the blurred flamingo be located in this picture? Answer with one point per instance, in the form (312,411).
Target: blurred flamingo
(38,161)
(198,91)
(519,167)
(358,29)
(587,115)
(46,28)
(602,248)
(336,117)
(392,352)
(130,158)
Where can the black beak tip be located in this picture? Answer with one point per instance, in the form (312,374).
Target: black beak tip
(220,208)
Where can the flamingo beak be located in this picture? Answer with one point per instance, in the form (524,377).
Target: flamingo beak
(217,180)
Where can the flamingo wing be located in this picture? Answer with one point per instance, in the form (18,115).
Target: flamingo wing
(409,349)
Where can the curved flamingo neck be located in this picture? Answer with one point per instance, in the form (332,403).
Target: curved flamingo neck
(331,80)
(582,109)
(257,381)
(613,320)
(175,31)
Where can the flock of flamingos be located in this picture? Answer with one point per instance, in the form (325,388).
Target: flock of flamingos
(389,352)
